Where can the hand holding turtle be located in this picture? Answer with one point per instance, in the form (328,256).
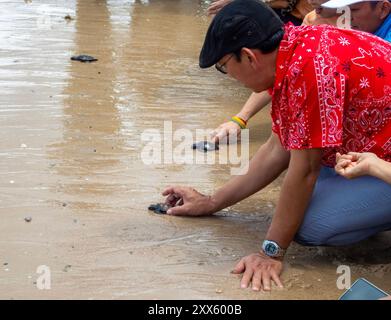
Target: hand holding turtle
(185,201)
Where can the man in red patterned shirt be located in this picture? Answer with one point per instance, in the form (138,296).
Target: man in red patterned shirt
(331,92)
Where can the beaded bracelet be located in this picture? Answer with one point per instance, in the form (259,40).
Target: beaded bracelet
(242,123)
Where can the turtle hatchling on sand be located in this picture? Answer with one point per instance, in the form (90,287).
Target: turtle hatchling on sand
(159,208)
(84,58)
(205,146)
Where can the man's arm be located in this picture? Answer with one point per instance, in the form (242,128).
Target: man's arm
(382,170)
(255,103)
(267,164)
(296,192)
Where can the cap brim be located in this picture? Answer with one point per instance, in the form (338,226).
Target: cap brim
(334,4)
(207,64)
(211,51)
(208,56)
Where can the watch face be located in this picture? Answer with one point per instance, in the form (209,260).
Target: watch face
(271,249)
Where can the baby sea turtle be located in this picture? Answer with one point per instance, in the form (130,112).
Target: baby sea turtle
(159,208)
(205,146)
(68,18)
(84,58)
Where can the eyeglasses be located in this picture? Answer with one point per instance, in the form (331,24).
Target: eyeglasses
(222,67)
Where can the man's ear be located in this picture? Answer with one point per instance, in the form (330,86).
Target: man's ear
(385,9)
(250,56)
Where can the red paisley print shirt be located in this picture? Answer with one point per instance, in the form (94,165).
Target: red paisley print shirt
(333,91)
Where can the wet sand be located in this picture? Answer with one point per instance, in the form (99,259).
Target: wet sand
(70,160)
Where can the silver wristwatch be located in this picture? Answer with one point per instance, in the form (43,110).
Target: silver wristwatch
(272,249)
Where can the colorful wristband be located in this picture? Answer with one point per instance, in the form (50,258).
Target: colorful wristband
(242,123)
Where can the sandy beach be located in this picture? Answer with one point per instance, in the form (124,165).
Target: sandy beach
(70,162)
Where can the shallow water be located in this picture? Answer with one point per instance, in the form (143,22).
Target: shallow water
(71,159)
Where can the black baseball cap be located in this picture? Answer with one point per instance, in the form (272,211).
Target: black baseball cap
(242,23)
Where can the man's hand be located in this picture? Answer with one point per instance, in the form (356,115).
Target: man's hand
(216,6)
(260,270)
(186,201)
(226,132)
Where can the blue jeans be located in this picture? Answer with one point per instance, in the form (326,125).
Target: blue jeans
(342,211)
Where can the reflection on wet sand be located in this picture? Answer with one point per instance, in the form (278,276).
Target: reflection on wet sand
(73,153)
(91,136)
